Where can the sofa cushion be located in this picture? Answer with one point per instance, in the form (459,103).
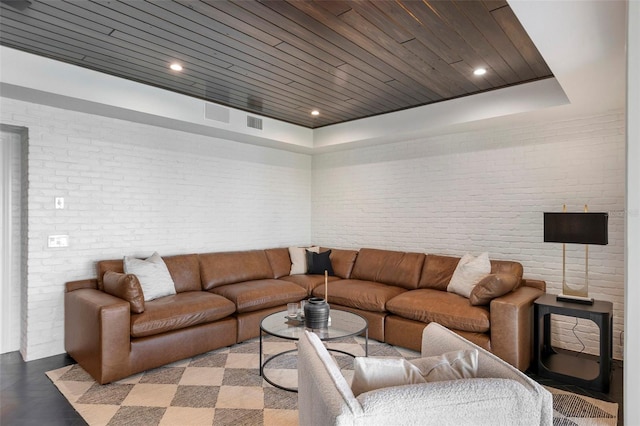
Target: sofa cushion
(179,311)
(449,309)
(319,263)
(259,294)
(437,271)
(492,286)
(127,287)
(280,261)
(342,261)
(185,271)
(153,275)
(468,273)
(102,266)
(508,267)
(396,268)
(308,282)
(298,256)
(359,294)
(218,269)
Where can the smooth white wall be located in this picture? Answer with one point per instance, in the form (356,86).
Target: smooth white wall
(486,191)
(133,189)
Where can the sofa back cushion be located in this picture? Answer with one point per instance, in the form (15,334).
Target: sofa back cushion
(396,268)
(342,261)
(217,269)
(184,270)
(102,266)
(280,261)
(437,271)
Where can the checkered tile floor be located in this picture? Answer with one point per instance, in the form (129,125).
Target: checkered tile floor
(222,387)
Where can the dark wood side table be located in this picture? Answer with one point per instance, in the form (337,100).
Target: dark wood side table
(567,368)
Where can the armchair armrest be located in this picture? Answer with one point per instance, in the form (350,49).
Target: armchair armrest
(512,326)
(97,331)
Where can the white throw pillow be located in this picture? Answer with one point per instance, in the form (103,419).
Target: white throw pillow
(462,364)
(468,273)
(376,373)
(298,257)
(153,275)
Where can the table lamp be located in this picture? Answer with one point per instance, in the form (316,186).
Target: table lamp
(576,228)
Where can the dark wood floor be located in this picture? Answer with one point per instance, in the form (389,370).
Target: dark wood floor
(27,396)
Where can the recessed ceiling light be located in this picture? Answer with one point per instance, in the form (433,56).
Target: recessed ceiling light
(176,66)
(315,112)
(479,71)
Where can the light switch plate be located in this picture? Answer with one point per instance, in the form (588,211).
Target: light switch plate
(57,241)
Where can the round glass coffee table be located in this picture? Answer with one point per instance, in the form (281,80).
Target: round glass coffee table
(343,324)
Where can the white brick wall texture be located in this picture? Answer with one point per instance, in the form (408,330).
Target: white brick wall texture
(132,189)
(486,191)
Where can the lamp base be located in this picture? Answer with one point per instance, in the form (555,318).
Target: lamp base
(574,299)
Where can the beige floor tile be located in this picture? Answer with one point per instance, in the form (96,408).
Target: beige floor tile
(277,347)
(280,417)
(151,395)
(185,416)
(284,377)
(97,414)
(73,390)
(200,376)
(249,397)
(351,348)
(242,360)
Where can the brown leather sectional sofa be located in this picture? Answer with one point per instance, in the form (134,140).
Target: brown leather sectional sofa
(222,297)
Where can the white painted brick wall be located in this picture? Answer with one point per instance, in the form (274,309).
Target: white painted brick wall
(486,191)
(132,189)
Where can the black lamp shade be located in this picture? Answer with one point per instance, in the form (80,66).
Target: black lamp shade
(576,228)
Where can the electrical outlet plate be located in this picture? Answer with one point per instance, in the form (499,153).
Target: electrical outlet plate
(57,241)
(59,203)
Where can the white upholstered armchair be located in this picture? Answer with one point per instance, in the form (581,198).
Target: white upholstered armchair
(498,395)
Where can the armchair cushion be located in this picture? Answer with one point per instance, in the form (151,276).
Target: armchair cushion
(492,286)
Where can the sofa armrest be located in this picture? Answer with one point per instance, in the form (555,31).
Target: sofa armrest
(512,326)
(97,331)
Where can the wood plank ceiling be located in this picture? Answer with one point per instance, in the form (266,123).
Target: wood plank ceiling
(283,59)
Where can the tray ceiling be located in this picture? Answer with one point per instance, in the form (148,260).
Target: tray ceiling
(283,59)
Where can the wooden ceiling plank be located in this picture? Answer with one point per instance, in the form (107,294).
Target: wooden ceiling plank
(367,87)
(403,59)
(492,5)
(378,18)
(451,38)
(349,38)
(446,73)
(266,62)
(297,12)
(514,30)
(400,89)
(48,12)
(256,15)
(226,24)
(493,33)
(479,81)
(17,39)
(470,35)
